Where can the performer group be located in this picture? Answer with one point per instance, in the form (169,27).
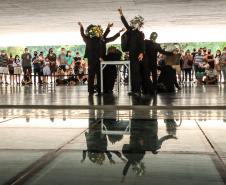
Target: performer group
(142,56)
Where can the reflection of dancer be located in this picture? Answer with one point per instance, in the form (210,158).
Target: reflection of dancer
(144,137)
(152,48)
(95,52)
(136,50)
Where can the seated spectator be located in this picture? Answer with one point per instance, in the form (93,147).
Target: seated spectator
(211,76)
(202,70)
(71,77)
(80,76)
(61,78)
(27,79)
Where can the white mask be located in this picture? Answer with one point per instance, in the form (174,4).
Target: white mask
(3,53)
(69,54)
(218,53)
(224,51)
(17,58)
(26,51)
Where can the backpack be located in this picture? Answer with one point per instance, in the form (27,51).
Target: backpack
(125,41)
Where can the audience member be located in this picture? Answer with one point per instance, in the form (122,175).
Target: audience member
(17,68)
(68,61)
(26,61)
(217,64)
(52,60)
(223,64)
(202,70)
(187,64)
(3,66)
(198,60)
(210,59)
(36,61)
(11,68)
(61,59)
(211,76)
(46,70)
(27,79)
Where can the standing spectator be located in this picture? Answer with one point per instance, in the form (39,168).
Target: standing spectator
(3,66)
(11,68)
(217,64)
(46,70)
(61,59)
(210,59)
(177,58)
(223,64)
(84,65)
(68,62)
(36,60)
(52,60)
(193,55)
(26,61)
(77,61)
(17,68)
(204,51)
(41,65)
(198,60)
(187,64)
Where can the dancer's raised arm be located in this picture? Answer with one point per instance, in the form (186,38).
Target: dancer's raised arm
(111,39)
(107,31)
(85,38)
(123,19)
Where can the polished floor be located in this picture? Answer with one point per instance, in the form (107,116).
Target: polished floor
(58,135)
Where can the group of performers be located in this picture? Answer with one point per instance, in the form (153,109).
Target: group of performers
(142,55)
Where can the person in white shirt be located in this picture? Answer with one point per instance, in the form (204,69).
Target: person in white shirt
(211,76)
(17,68)
(217,64)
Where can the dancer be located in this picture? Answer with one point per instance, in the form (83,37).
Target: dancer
(152,48)
(95,46)
(110,72)
(136,50)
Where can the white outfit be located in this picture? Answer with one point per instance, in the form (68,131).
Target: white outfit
(46,69)
(17,67)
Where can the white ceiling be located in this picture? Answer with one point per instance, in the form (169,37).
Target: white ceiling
(54,22)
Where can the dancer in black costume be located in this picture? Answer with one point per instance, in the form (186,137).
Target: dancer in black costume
(110,72)
(136,50)
(151,50)
(95,52)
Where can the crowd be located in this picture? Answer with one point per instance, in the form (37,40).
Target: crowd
(201,66)
(61,69)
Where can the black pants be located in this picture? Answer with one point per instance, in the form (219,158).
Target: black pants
(109,76)
(153,70)
(135,74)
(25,70)
(187,72)
(37,70)
(93,69)
(147,85)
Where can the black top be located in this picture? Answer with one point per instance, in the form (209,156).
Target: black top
(151,50)
(136,41)
(96,47)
